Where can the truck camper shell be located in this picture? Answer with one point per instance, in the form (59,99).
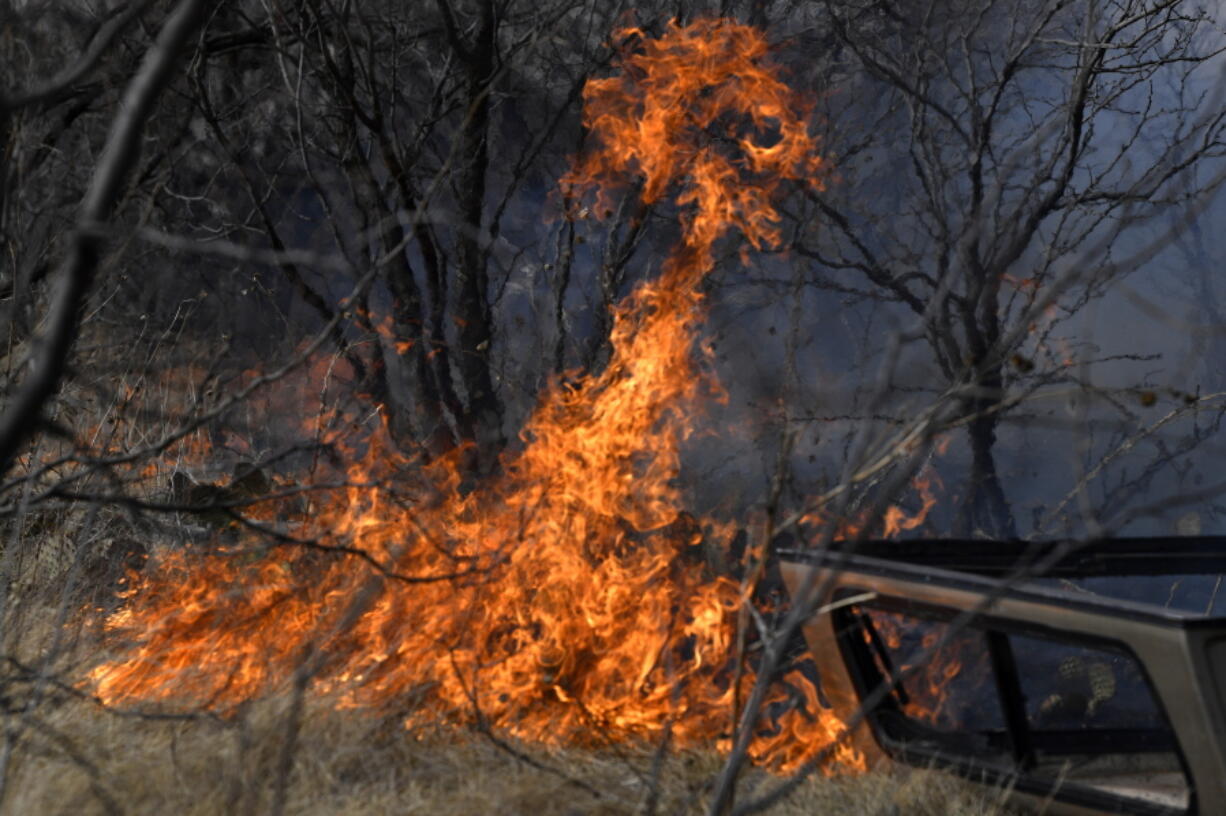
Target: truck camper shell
(1087,677)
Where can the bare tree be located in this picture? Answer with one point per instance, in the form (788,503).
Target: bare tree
(389,121)
(983,147)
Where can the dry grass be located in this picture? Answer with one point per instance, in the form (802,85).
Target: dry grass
(81,759)
(62,754)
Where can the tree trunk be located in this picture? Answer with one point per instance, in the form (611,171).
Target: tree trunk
(984,512)
(472,302)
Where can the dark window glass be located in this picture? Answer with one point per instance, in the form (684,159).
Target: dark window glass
(1071,686)
(1083,717)
(1094,722)
(944,689)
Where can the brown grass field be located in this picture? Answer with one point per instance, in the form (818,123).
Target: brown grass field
(63,753)
(80,759)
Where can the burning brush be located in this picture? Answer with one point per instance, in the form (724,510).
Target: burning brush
(537,602)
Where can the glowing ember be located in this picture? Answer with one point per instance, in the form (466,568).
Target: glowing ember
(558,601)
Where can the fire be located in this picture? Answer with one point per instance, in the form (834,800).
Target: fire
(560,600)
(952,674)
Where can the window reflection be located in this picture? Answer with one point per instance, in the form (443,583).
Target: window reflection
(1058,712)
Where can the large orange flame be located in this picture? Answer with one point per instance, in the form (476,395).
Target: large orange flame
(561,600)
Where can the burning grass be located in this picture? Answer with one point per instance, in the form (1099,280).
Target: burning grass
(65,753)
(350,762)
